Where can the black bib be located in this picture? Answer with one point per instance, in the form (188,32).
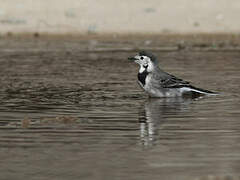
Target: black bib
(142,77)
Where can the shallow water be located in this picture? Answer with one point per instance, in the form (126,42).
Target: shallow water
(67,113)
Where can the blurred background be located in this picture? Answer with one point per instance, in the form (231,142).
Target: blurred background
(120,17)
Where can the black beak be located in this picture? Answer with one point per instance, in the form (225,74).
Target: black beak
(132,58)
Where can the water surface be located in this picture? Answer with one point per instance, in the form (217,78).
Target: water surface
(67,112)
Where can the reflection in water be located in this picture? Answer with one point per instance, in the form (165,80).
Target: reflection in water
(154,112)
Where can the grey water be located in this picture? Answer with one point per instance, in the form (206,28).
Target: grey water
(67,112)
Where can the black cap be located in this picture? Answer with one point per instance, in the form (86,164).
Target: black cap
(148,54)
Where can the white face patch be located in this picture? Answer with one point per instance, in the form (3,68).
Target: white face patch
(141,69)
(145,63)
(150,67)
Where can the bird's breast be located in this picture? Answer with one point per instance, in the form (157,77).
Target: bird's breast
(142,77)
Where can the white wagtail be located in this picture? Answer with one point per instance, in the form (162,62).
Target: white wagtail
(158,83)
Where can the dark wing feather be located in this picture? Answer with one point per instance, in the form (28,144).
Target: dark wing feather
(174,82)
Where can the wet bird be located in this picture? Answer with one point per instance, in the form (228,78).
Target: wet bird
(158,83)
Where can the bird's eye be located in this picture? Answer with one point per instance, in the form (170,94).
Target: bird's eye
(141,58)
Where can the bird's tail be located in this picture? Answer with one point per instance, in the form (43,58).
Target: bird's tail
(191,91)
(202,91)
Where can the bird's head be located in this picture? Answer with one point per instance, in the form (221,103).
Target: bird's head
(146,60)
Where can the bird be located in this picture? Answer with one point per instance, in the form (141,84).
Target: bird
(158,83)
